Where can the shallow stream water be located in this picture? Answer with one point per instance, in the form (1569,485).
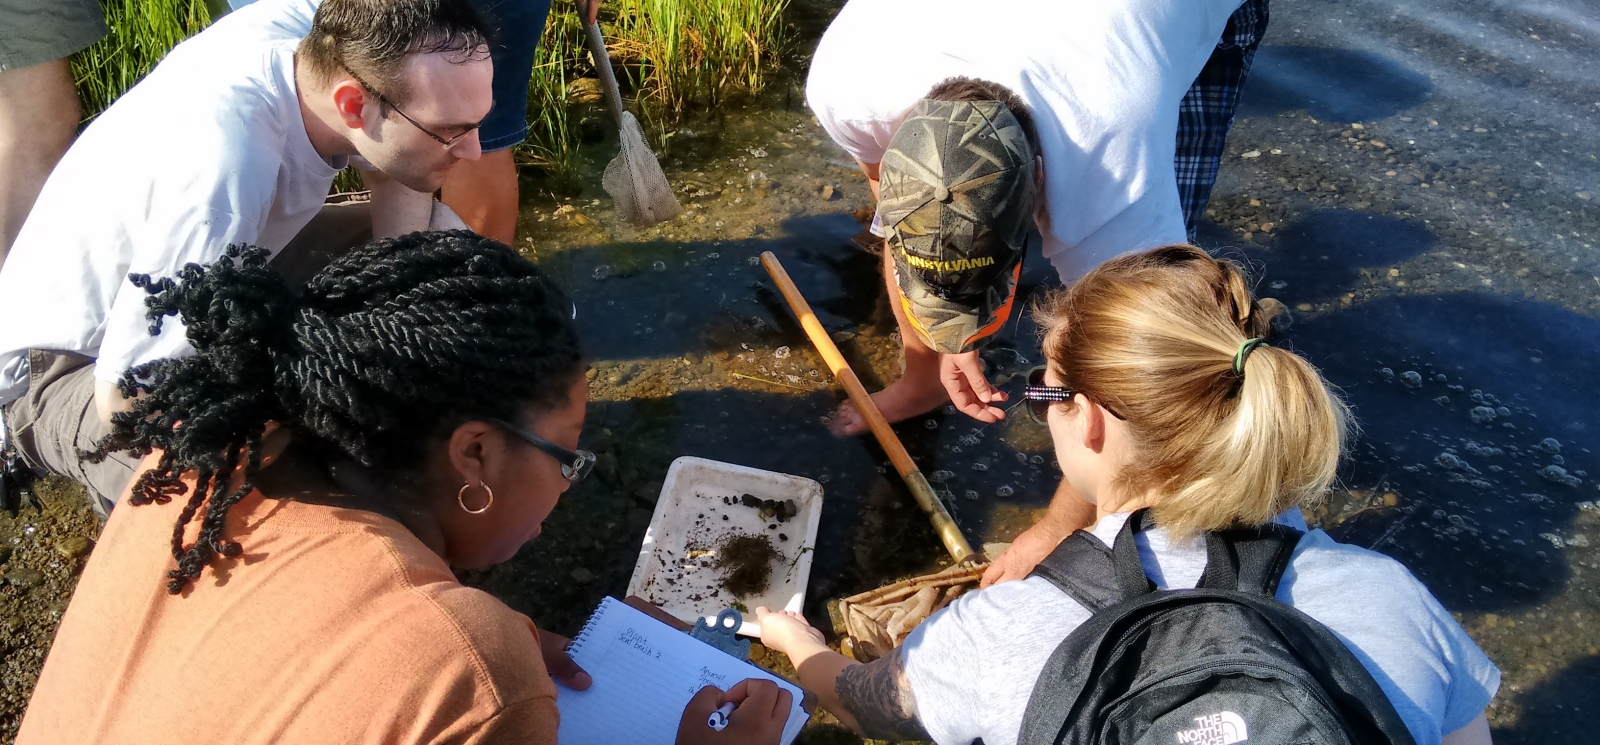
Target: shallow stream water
(1417,180)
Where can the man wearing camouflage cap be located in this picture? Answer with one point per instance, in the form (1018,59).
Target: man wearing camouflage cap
(1113,114)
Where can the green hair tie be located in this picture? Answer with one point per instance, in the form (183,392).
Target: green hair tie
(1245,348)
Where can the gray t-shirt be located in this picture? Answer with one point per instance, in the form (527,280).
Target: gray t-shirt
(972,665)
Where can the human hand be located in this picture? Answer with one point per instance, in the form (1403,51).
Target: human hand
(969,389)
(788,632)
(1030,547)
(762,710)
(590,10)
(553,647)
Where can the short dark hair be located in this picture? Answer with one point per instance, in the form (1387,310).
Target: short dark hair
(971,89)
(393,345)
(372,38)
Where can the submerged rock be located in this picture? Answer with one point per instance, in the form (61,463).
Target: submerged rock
(24,578)
(1559,475)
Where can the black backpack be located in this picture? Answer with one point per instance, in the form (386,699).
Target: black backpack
(1222,663)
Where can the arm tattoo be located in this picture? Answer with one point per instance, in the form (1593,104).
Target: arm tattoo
(878,695)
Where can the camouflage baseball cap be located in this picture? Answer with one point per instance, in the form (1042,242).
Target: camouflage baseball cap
(956,188)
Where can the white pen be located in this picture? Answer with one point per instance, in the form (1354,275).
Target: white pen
(719,718)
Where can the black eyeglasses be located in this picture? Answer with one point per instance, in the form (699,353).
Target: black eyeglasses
(575,464)
(1039,396)
(447,142)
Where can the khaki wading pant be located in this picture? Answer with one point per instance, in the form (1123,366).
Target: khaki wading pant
(55,423)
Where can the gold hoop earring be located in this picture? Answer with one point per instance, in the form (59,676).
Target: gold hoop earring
(461,499)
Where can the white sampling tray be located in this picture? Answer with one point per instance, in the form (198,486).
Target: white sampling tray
(689,517)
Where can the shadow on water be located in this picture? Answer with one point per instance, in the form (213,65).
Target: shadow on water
(1466,407)
(1331,84)
(1562,709)
(1321,254)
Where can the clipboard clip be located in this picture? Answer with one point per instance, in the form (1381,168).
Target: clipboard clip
(723,634)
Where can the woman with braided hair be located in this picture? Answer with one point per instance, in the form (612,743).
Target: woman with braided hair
(282,569)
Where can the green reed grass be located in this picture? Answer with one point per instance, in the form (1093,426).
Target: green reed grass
(674,54)
(552,142)
(686,52)
(142,32)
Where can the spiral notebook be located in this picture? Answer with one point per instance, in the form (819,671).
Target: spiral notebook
(644,673)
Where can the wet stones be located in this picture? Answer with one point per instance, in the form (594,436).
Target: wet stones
(1411,379)
(1483,414)
(24,578)
(73,547)
(767,509)
(1451,461)
(1557,474)
(1483,451)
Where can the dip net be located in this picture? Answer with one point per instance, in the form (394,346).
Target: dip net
(634,178)
(877,621)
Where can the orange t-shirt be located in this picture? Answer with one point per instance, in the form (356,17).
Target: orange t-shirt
(333,626)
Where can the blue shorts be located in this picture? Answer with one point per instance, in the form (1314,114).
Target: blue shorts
(518,26)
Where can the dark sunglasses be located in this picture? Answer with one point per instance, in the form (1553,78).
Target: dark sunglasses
(1039,396)
(448,142)
(575,464)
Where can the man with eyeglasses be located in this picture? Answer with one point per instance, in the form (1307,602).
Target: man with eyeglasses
(234,138)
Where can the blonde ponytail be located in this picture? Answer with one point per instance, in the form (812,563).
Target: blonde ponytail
(1154,336)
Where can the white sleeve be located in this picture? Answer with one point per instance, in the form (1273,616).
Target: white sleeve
(942,661)
(972,666)
(178,234)
(841,92)
(864,139)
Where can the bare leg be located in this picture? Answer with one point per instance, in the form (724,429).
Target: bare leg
(39,113)
(484,193)
(918,390)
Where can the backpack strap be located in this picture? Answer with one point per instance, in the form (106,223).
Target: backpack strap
(1094,574)
(1081,567)
(1249,560)
(1099,576)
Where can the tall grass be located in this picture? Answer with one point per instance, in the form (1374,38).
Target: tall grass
(142,32)
(676,55)
(552,142)
(693,51)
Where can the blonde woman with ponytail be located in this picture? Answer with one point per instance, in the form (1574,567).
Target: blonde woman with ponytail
(1163,390)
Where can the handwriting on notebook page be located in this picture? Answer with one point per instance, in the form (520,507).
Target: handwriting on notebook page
(645,672)
(638,641)
(709,678)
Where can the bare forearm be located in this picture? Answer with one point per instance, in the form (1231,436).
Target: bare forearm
(396,209)
(1066,514)
(871,171)
(819,669)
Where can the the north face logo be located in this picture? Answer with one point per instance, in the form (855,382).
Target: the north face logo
(1221,728)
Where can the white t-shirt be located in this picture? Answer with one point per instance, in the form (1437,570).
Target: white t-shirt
(210,149)
(1102,78)
(972,666)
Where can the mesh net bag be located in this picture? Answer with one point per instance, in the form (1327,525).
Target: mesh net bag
(635,181)
(878,620)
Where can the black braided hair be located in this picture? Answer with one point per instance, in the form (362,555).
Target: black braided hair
(392,344)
